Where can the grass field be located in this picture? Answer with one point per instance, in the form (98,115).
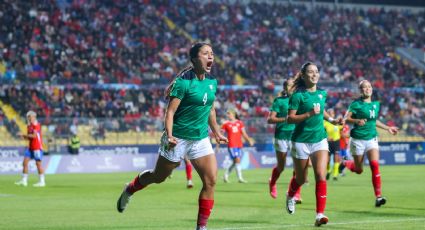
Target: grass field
(87,201)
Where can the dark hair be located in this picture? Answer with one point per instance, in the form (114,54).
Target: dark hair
(193,53)
(284,92)
(298,81)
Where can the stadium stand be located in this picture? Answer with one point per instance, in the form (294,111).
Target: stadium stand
(101,66)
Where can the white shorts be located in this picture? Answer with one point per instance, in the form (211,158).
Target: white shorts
(192,149)
(360,147)
(282,145)
(303,150)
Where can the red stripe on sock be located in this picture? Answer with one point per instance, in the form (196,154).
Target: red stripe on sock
(376,177)
(205,208)
(321,193)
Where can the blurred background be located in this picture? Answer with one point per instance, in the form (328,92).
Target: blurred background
(98,69)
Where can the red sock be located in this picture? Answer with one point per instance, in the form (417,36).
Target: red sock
(135,185)
(275,176)
(321,196)
(205,208)
(189,171)
(298,193)
(293,187)
(350,165)
(376,177)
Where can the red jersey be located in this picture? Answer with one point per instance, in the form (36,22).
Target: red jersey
(36,143)
(234,133)
(343,142)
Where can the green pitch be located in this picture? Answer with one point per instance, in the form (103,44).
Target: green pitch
(88,201)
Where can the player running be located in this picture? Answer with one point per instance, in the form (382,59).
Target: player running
(282,136)
(363,113)
(306,110)
(235,130)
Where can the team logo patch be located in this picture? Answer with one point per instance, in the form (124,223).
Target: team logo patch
(374,106)
(211,87)
(320,96)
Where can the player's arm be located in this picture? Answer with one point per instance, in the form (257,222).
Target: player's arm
(293,118)
(349,118)
(273,119)
(173,104)
(212,122)
(247,138)
(332,120)
(391,129)
(27,136)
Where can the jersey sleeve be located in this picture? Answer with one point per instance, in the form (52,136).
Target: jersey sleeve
(294,101)
(275,106)
(179,89)
(352,108)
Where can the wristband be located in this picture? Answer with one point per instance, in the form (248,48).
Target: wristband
(331,119)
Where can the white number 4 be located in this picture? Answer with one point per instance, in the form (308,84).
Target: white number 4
(205,98)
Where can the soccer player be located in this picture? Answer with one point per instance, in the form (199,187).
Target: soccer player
(363,113)
(309,139)
(34,151)
(343,145)
(282,136)
(334,136)
(235,130)
(189,112)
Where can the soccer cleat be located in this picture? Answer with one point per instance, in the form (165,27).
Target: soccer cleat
(189,184)
(22,182)
(241,180)
(290,205)
(298,200)
(39,184)
(201,228)
(272,189)
(123,200)
(380,201)
(335,179)
(321,219)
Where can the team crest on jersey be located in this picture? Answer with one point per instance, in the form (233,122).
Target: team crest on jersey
(211,87)
(374,106)
(320,96)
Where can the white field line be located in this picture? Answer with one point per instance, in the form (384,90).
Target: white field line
(338,223)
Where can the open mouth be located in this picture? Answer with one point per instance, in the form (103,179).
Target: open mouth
(209,64)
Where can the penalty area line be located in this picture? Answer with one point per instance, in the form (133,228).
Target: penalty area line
(337,223)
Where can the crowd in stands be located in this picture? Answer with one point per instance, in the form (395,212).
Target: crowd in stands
(57,55)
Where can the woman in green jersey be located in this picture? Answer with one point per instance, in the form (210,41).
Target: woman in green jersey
(363,114)
(190,111)
(309,139)
(282,137)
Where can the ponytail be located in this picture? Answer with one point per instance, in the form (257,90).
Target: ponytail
(170,85)
(298,80)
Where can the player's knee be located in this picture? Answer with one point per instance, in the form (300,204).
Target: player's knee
(210,182)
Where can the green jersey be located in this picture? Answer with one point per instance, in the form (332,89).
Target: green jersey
(310,130)
(197,98)
(368,111)
(283,130)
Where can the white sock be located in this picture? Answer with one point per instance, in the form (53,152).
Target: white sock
(229,170)
(239,171)
(42,178)
(25,177)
